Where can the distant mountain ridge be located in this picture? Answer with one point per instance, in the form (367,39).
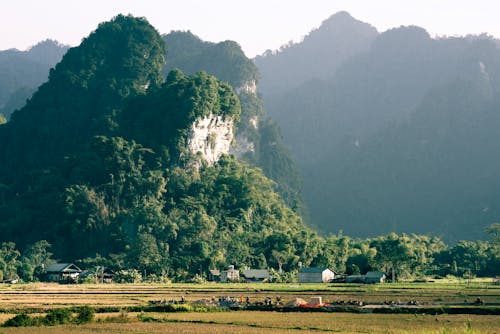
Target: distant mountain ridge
(331,125)
(318,55)
(21,72)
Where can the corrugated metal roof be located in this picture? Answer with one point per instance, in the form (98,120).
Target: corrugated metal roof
(60,267)
(256,273)
(312,270)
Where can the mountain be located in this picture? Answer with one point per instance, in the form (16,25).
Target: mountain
(111,160)
(318,55)
(258,138)
(331,124)
(435,172)
(21,72)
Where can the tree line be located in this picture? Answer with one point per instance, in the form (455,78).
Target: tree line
(400,256)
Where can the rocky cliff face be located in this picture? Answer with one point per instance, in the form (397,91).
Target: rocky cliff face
(210,137)
(249,87)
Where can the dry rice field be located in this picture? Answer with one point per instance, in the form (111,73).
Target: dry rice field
(40,297)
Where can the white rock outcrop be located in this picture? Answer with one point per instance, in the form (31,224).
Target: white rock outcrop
(211,137)
(249,87)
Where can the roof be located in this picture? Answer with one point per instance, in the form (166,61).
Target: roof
(256,273)
(312,270)
(375,274)
(62,267)
(215,272)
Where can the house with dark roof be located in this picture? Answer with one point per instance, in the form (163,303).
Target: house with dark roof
(368,278)
(100,275)
(256,275)
(375,277)
(57,272)
(315,275)
(214,275)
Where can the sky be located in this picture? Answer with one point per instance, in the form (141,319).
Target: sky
(257,25)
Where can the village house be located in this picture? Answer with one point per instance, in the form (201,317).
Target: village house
(214,275)
(375,277)
(61,271)
(369,278)
(315,275)
(100,275)
(230,275)
(256,275)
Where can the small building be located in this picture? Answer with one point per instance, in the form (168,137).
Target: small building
(355,279)
(62,271)
(315,275)
(369,278)
(375,277)
(256,275)
(214,275)
(230,275)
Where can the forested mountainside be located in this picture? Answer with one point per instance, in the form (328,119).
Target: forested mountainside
(110,159)
(21,72)
(258,138)
(116,161)
(399,137)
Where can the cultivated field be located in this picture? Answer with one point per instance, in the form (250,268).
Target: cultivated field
(108,299)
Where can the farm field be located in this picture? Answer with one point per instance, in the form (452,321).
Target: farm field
(37,298)
(274,322)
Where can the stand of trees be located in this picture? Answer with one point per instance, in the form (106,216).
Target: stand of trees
(199,247)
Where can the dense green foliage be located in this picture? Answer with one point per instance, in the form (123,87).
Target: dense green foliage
(161,119)
(196,235)
(258,139)
(400,138)
(104,174)
(225,60)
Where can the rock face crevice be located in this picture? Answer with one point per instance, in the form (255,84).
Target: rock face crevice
(210,137)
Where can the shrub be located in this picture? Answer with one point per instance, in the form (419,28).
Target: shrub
(22,320)
(58,316)
(128,276)
(85,315)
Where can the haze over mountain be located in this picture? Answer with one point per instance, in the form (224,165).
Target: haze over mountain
(318,55)
(21,72)
(399,136)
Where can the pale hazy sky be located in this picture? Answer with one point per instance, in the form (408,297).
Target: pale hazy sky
(257,25)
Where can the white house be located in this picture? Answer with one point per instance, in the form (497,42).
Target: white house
(230,275)
(315,275)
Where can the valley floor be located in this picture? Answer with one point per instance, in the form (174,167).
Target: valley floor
(108,300)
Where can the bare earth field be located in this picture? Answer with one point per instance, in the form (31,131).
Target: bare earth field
(39,297)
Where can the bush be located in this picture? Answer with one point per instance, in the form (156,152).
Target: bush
(58,316)
(85,315)
(21,320)
(54,317)
(128,276)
